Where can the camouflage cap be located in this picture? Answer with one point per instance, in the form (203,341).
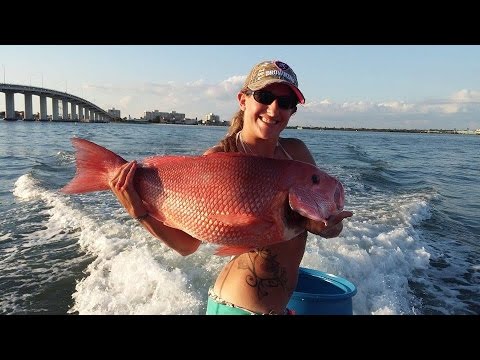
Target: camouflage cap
(269,72)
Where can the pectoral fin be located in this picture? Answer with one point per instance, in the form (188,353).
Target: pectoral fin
(254,224)
(154,212)
(249,225)
(232,250)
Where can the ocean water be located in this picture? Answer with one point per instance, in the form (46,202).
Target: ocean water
(411,248)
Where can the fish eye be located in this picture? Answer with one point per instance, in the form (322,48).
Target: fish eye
(315,179)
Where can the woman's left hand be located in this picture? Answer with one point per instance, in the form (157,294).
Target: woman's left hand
(332,228)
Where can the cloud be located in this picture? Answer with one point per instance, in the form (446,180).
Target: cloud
(199,97)
(104,87)
(461,102)
(125,101)
(465,95)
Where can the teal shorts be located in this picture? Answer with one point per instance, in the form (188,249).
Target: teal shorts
(218,306)
(215,308)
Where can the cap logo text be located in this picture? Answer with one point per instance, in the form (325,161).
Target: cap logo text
(282,74)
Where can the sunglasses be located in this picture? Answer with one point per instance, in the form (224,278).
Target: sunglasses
(266,98)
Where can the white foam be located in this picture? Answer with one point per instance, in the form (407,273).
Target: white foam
(133,282)
(134,273)
(5,237)
(378,253)
(26,188)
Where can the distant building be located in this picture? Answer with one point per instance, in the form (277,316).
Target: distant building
(114,113)
(164,117)
(155,115)
(179,118)
(211,119)
(464,132)
(190,121)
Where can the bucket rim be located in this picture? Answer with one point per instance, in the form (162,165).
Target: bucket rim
(348,288)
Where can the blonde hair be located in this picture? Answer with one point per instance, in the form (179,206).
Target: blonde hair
(236,125)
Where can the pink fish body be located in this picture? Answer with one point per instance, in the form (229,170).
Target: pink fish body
(237,201)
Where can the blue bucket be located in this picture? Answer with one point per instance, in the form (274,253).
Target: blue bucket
(319,293)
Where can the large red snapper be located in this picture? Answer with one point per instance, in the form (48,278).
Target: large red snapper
(240,202)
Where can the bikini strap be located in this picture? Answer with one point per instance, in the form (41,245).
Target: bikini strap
(284,151)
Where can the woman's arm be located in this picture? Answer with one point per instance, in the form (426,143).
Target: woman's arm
(122,187)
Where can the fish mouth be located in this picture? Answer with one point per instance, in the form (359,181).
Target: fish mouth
(313,206)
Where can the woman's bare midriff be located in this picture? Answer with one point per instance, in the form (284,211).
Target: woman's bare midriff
(262,280)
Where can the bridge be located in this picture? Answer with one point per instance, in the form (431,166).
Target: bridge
(87,111)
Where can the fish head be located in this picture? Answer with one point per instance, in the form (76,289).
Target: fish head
(315,194)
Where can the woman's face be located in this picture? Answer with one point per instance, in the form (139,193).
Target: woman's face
(262,120)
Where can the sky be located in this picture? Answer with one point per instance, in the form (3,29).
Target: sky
(357,86)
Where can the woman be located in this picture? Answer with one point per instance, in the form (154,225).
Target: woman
(260,281)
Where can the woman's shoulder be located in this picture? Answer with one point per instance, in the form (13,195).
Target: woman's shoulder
(292,142)
(214,149)
(297,149)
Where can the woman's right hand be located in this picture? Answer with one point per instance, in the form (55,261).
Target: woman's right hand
(122,186)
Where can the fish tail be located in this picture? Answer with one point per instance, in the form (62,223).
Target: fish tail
(95,165)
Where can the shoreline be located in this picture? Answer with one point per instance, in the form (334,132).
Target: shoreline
(317,128)
(422,131)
